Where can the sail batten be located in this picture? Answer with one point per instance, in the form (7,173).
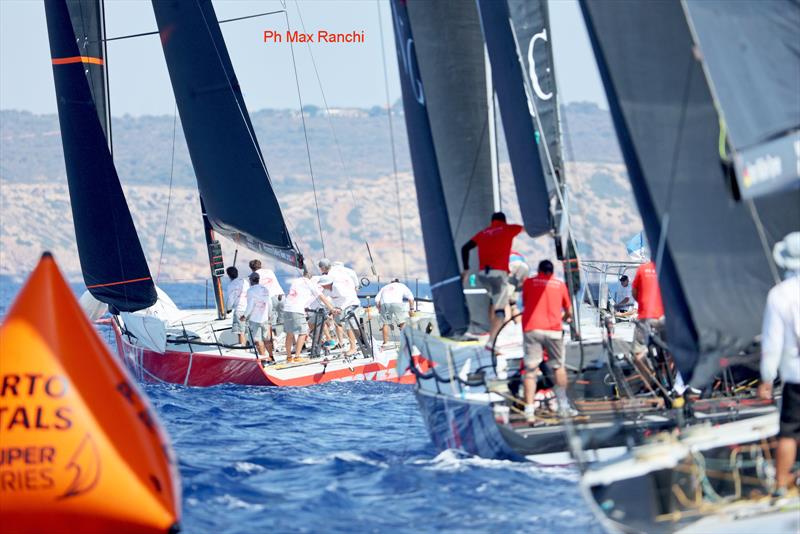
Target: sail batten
(112,261)
(232,176)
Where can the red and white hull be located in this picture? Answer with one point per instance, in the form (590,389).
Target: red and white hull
(210,366)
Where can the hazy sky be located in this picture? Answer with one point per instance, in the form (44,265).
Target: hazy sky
(352,74)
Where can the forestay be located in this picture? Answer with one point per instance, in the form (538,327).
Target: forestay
(713,265)
(112,261)
(231,173)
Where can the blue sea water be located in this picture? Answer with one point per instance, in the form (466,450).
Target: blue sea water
(351,457)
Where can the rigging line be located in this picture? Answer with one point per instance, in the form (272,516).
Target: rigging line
(391,141)
(169,197)
(662,238)
(305,135)
(472,174)
(143,34)
(333,129)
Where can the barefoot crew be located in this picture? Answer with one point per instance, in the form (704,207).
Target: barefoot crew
(257,315)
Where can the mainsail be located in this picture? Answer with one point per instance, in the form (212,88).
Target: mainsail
(441,258)
(231,173)
(756,88)
(447,39)
(712,264)
(452,66)
(114,266)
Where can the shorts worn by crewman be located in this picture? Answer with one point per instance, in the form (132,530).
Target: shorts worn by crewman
(260,331)
(392,314)
(642,333)
(496,283)
(536,342)
(295,323)
(790,411)
(341,319)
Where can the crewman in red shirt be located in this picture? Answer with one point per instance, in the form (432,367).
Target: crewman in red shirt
(494,248)
(546,303)
(647,293)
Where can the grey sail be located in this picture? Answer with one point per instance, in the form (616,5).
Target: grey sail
(531,23)
(447,38)
(231,173)
(751,51)
(88,23)
(714,269)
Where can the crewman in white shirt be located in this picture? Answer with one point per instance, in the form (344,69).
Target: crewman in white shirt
(780,354)
(623,296)
(345,299)
(302,293)
(257,315)
(270,281)
(391,310)
(236,302)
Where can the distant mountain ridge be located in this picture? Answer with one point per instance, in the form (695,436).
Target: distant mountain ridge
(35,212)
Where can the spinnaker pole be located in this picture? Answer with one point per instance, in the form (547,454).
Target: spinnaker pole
(215,262)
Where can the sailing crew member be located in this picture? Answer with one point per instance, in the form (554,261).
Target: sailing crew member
(302,293)
(623,296)
(345,299)
(391,310)
(236,302)
(647,293)
(257,315)
(518,270)
(780,354)
(338,272)
(494,249)
(546,303)
(270,281)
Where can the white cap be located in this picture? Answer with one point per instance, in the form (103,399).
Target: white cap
(325,280)
(787,252)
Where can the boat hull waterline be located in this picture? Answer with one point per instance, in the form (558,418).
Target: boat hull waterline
(205,369)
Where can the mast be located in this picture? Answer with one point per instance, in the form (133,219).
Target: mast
(215,263)
(496,198)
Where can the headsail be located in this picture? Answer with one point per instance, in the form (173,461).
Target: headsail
(514,93)
(88,23)
(443,267)
(113,263)
(756,87)
(713,270)
(231,173)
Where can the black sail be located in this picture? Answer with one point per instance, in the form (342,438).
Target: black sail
(531,22)
(756,87)
(714,269)
(533,190)
(447,39)
(440,254)
(114,266)
(231,173)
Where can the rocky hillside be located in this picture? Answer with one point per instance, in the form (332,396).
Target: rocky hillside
(35,213)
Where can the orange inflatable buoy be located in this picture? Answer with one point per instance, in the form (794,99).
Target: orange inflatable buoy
(80,447)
